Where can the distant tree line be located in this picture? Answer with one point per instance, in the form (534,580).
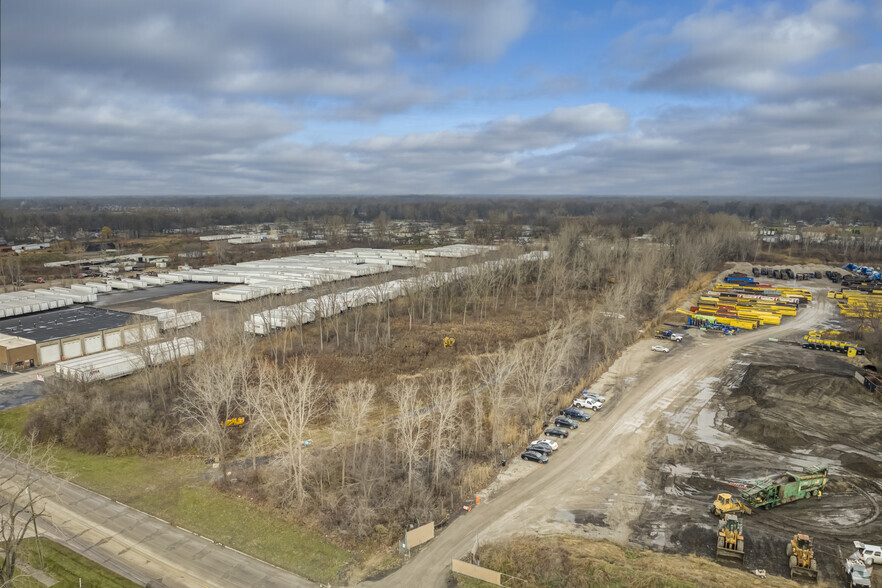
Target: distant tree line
(142,217)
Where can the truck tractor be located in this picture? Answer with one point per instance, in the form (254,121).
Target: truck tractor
(730,539)
(802,558)
(669,335)
(725,504)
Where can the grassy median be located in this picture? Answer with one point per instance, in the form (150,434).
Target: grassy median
(175,489)
(64,566)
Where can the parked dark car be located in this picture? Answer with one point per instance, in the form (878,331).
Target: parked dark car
(563,421)
(534,456)
(555,432)
(576,414)
(540,448)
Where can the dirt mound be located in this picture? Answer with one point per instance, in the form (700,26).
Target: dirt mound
(861,464)
(576,561)
(753,424)
(840,486)
(772,404)
(694,539)
(780,408)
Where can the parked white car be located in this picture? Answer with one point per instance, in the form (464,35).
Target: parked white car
(869,554)
(588,402)
(660,348)
(594,395)
(551,442)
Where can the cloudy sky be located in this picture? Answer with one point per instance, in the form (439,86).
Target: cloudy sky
(538,97)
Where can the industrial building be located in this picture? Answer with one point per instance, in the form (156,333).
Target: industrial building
(47,337)
(16,353)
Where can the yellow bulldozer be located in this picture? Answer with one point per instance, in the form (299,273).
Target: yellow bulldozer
(237,422)
(725,504)
(802,558)
(730,538)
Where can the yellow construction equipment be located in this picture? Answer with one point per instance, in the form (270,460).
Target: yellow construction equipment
(730,538)
(449,342)
(814,342)
(725,504)
(237,422)
(802,558)
(824,334)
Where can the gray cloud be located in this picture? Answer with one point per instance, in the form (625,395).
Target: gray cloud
(805,147)
(511,134)
(291,51)
(151,98)
(481,29)
(747,51)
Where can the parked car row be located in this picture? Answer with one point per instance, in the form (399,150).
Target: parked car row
(568,420)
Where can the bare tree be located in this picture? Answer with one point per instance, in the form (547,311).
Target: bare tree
(286,402)
(445,394)
(495,372)
(410,430)
(20,507)
(380,295)
(352,406)
(541,370)
(213,390)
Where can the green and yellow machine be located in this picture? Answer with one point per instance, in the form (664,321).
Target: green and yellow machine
(786,487)
(772,491)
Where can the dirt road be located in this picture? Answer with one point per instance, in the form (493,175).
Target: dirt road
(602,457)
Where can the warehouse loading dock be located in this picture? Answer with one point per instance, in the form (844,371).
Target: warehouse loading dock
(57,335)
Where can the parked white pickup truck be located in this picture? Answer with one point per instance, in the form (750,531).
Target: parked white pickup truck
(868,554)
(588,402)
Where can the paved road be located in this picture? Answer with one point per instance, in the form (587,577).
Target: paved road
(611,447)
(22,387)
(138,546)
(154,292)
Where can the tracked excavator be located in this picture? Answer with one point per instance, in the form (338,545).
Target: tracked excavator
(730,539)
(802,558)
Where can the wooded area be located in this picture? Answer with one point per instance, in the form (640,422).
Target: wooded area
(403,428)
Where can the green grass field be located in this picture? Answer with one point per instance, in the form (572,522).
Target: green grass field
(176,490)
(65,566)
